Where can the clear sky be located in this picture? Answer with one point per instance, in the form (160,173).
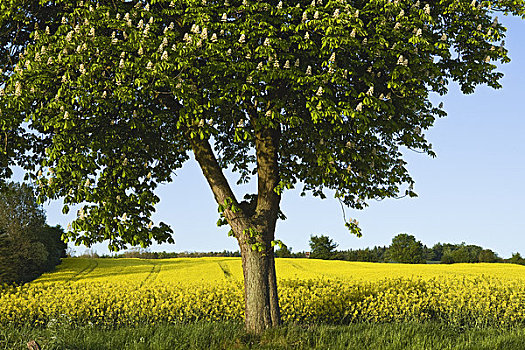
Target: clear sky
(472,192)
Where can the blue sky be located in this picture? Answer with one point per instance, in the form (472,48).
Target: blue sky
(472,192)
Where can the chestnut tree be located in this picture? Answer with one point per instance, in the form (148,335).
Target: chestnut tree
(322,94)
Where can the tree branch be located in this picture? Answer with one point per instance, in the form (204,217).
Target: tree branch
(218,182)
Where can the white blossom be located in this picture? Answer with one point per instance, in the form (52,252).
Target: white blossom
(121,63)
(66,115)
(214,38)
(313,3)
(276,64)
(336,13)
(444,37)
(287,64)
(224,17)
(249,80)
(104,94)
(280,5)
(69,36)
(164,56)
(473,3)
(141,51)
(487,59)
(306,36)
(359,107)
(141,24)
(47,30)
(50,61)
(419,32)
(82,69)
(296,64)
(400,60)
(427,9)
(266,42)
(269,113)
(309,70)
(242,39)
(229,52)
(352,33)
(401,13)
(126,16)
(316,15)
(478,27)
(332,58)
(305,16)
(319,92)
(124,217)
(146,7)
(149,65)
(259,66)
(397,26)
(18,89)
(370,91)
(64,20)
(204,34)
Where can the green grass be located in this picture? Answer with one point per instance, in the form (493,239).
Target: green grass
(401,336)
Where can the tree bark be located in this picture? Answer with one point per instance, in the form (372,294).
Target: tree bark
(275,311)
(256,289)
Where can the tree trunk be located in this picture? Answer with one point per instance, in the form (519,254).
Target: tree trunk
(256,289)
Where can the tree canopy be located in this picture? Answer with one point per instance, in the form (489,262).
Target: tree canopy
(322,247)
(405,249)
(117,93)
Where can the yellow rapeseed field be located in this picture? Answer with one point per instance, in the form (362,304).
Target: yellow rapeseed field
(114,292)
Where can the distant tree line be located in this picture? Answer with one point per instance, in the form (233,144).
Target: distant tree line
(28,246)
(404,249)
(142,253)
